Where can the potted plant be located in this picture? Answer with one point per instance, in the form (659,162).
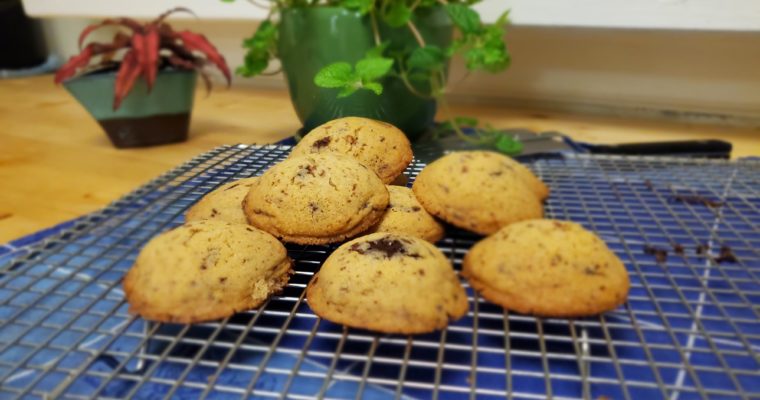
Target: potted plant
(381,59)
(140,86)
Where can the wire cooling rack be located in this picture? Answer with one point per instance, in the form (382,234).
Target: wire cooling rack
(688,232)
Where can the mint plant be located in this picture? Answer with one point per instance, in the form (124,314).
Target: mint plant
(422,69)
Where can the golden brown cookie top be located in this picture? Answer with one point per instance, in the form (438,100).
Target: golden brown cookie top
(224,203)
(405,215)
(205,270)
(316,199)
(477,191)
(388,283)
(379,145)
(547,268)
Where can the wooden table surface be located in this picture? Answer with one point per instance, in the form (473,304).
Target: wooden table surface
(56,164)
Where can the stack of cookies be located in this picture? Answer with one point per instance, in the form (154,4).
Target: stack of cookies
(337,186)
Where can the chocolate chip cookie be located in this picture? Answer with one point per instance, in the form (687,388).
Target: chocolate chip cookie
(316,199)
(224,203)
(406,216)
(379,145)
(205,270)
(479,191)
(547,268)
(388,283)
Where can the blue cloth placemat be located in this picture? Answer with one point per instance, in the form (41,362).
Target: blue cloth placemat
(688,330)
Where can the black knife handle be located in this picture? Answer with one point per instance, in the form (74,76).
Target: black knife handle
(696,147)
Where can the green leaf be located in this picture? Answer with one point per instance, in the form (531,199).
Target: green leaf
(260,49)
(377,52)
(398,14)
(335,75)
(465,18)
(508,145)
(375,87)
(254,63)
(264,37)
(363,6)
(426,58)
(347,91)
(371,69)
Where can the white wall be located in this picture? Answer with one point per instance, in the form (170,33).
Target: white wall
(731,15)
(698,76)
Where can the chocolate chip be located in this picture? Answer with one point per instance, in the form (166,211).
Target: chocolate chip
(696,199)
(222,279)
(322,142)
(593,271)
(702,249)
(214,212)
(678,249)
(307,169)
(421,272)
(465,169)
(726,255)
(416,208)
(314,207)
(661,255)
(387,247)
(496,173)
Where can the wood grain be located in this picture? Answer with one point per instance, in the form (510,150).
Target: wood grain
(56,164)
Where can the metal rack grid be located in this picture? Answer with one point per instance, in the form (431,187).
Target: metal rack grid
(691,327)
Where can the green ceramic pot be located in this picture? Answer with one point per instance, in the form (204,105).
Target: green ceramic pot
(313,37)
(144,118)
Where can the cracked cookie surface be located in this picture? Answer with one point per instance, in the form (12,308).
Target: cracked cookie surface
(380,146)
(547,268)
(205,270)
(316,199)
(388,283)
(224,203)
(479,191)
(405,215)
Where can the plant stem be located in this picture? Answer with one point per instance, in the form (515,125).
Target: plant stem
(416,34)
(449,115)
(412,88)
(375,30)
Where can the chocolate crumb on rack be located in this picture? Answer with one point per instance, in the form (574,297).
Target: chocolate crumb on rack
(726,255)
(661,255)
(702,249)
(696,200)
(678,249)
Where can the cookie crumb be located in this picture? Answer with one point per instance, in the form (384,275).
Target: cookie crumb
(702,249)
(661,255)
(696,199)
(726,255)
(678,249)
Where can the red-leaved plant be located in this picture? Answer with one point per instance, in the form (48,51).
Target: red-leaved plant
(149,47)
